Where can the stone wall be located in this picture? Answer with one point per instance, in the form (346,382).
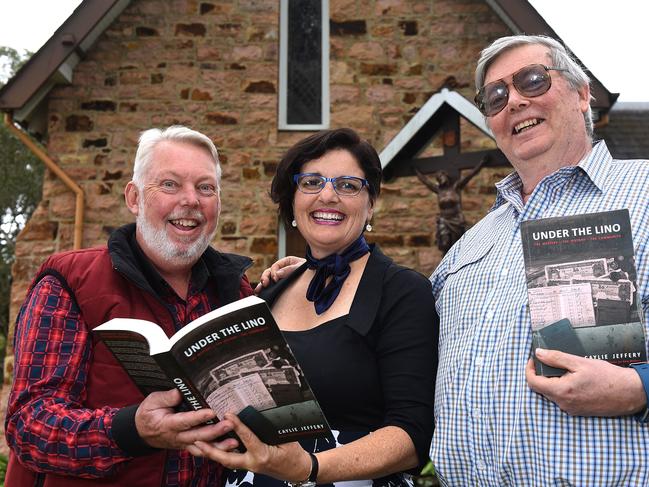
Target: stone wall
(212,65)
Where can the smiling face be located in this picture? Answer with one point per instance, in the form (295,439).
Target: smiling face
(329,222)
(541,134)
(177,210)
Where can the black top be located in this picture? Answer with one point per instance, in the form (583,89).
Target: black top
(375,366)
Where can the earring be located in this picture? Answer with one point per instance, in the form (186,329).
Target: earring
(368,227)
(294,224)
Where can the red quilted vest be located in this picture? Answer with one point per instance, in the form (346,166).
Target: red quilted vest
(102,293)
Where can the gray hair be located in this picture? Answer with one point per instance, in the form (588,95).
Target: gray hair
(560,58)
(175,133)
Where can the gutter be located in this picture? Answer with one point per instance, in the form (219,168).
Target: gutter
(60,173)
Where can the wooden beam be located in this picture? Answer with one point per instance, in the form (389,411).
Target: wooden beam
(451,163)
(451,134)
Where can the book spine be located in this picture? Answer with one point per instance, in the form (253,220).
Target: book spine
(190,393)
(192,396)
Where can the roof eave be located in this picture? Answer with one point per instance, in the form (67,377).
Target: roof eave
(456,101)
(522,18)
(54,63)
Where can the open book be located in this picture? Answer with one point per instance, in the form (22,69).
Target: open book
(232,359)
(582,289)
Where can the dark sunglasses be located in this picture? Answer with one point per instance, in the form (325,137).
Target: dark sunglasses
(530,81)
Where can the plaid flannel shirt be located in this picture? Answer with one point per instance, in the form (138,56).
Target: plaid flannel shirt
(47,425)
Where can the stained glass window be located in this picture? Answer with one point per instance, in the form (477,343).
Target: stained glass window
(304,64)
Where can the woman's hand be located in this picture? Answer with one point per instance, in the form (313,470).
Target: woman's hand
(284,267)
(288,461)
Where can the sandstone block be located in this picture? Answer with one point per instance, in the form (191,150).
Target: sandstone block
(391,7)
(344,93)
(194,29)
(348,28)
(340,72)
(38,230)
(228,227)
(264,245)
(371,51)
(380,94)
(78,123)
(62,206)
(351,116)
(199,95)
(217,118)
(342,9)
(233,244)
(244,53)
(260,87)
(409,27)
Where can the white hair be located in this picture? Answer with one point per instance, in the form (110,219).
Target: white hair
(178,133)
(560,58)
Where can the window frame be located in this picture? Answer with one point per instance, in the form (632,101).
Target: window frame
(282,123)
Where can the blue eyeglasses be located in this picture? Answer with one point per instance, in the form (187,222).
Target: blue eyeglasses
(310,183)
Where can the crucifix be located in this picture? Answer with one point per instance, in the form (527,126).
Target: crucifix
(451,224)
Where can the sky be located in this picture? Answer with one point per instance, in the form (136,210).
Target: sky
(608,36)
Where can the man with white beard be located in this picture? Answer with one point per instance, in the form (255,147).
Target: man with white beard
(74,416)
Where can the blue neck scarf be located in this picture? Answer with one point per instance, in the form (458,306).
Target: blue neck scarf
(335,266)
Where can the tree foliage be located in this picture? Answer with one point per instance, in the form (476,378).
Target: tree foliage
(22,176)
(11,61)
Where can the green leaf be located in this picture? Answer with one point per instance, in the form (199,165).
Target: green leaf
(22,176)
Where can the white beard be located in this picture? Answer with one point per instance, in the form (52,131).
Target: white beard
(158,241)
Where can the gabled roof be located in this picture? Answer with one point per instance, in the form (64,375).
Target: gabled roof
(627,131)
(416,134)
(54,63)
(521,18)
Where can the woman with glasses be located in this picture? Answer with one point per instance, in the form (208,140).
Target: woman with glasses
(363,329)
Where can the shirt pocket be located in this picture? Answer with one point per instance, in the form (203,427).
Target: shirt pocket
(468,280)
(468,264)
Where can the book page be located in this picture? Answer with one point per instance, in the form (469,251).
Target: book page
(553,303)
(137,329)
(134,356)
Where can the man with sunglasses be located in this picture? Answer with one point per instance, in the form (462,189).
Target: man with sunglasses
(497,423)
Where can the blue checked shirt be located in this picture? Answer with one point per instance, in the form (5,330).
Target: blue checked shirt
(491,429)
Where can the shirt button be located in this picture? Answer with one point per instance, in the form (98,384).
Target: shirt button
(504,271)
(477,413)
(480,464)
(479,360)
(489,315)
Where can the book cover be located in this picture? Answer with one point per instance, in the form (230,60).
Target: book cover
(582,288)
(233,359)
